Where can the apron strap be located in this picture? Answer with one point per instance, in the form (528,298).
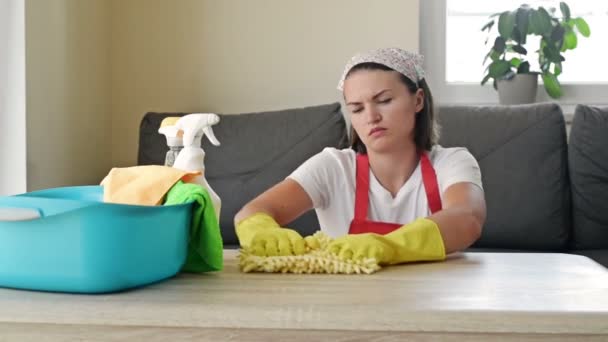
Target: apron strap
(429,178)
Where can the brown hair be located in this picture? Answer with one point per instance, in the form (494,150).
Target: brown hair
(426,130)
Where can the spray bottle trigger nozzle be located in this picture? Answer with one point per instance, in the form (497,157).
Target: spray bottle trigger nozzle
(209,133)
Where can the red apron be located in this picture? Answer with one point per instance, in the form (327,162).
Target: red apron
(360,224)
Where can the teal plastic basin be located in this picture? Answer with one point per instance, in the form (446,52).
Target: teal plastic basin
(82,245)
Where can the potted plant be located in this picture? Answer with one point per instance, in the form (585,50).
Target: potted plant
(510,57)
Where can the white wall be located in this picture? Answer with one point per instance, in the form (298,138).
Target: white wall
(232,56)
(94,67)
(68,92)
(12,98)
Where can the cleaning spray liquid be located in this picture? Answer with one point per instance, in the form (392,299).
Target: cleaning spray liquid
(192,156)
(174,139)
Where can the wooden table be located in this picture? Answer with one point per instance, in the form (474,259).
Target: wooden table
(473,296)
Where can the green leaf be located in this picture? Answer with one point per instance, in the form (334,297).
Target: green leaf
(515,62)
(557,34)
(488,26)
(570,40)
(545,67)
(499,68)
(491,54)
(521,23)
(533,22)
(499,45)
(485,79)
(565,10)
(582,27)
(564,47)
(557,69)
(520,49)
(552,85)
(523,68)
(543,22)
(551,53)
(516,36)
(570,23)
(485,59)
(506,22)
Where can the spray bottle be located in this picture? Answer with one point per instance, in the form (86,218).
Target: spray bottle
(192,156)
(174,139)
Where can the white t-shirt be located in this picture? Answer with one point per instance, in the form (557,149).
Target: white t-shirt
(329,179)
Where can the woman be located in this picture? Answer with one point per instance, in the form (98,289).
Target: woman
(395,195)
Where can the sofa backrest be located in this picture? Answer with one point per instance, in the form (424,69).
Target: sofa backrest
(522,153)
(257,151)
(588,162)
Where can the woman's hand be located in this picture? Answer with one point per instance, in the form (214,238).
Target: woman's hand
(419,240)
(264,237)
(278,241)
(362,246)
(257,224)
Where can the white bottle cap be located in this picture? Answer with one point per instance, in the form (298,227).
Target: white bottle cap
(172,133)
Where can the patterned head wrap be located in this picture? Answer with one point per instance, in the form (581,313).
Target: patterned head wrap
(407,63)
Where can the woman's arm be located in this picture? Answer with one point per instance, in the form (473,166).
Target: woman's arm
(285,202)
(462,217)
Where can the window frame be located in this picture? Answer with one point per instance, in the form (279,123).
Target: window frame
(13,123)
(432,46)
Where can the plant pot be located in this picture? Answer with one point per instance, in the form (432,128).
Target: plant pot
(518,90)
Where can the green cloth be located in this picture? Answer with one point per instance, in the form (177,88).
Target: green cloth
(205,247)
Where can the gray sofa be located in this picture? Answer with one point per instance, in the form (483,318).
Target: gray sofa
(543,194)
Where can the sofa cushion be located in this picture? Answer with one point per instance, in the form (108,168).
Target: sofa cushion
(522,153)
(257,151)
(588,162)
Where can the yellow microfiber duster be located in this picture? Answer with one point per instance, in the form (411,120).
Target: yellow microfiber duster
(316,260)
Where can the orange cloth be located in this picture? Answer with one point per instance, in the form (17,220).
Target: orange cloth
(142,185)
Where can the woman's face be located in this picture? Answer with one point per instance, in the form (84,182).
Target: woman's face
(382,109)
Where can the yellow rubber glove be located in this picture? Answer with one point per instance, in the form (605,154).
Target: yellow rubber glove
(263,236)
(418,241)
